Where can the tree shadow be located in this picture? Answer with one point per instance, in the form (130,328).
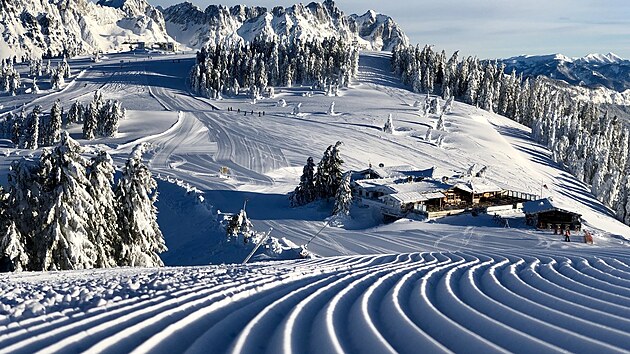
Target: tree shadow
(266,206)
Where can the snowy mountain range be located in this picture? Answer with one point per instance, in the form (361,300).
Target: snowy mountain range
(593,70)
(195,27)
(52,27)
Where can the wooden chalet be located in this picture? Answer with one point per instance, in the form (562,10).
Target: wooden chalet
(547,214)
(420,202)
(473,192)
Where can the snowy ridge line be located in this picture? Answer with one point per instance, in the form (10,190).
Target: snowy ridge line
(452,301)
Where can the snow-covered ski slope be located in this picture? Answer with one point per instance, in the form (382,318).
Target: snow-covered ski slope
(482,302)
(459,284)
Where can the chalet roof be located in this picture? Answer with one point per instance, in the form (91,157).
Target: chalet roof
(369,184)
(544,205)
(402,171)
(413,197)
(424,186)
(478,186)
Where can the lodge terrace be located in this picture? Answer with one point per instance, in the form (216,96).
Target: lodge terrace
(401,191)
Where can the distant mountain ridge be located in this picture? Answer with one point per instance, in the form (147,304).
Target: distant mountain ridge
(217,23)
(53,27)
(593,71)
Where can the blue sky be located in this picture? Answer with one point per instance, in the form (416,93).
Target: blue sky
(497,28)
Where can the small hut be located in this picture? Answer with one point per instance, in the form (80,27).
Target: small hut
(548,214)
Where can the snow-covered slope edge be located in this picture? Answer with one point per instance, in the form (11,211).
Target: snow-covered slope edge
(196,27)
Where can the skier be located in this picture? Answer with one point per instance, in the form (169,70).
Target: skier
(567,236)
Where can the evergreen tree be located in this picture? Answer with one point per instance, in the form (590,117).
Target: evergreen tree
(104,225)
(18,127)
(12,242)
(343,198)
(322,174)
(239,229)
(389,125)
(30,135)
(54,134)
(68,208)
(305,192)
(334,171)
(90,121)
(136,195)
(75,114)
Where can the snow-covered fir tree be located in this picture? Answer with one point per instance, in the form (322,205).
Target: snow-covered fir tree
(65,240)
(239,229)
(12,242)
(305,192)
(90,120)
(30,132)
(75,113)
(136,194)
(53,133)
(331,109)
(17,129)
(104,223)
(335,172)
(56,79)
(35,88)
(389,125)
(343,198)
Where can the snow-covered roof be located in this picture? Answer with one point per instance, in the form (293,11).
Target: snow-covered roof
(478,186)
(544,205)
(412,197)
(420,187)
(369,184)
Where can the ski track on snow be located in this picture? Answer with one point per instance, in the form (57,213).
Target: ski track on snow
(482,301)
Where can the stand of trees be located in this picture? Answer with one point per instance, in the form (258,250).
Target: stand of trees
(589,142)
(33,130)
(322,182)
(225,68)
(62,211)
(9,77)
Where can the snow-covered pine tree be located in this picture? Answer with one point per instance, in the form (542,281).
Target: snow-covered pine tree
(334,170)
(136,194)
(90,120)
(68,207)
(322,174)
(12,242)
(439,125)
(305,192)
(331,109)
(343,198)
(35,88)
(112,119)
(56,79)
(75,113)
(64,68)
(389,125)
(54,125)
(239,229)
(30,136)
(104,223)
